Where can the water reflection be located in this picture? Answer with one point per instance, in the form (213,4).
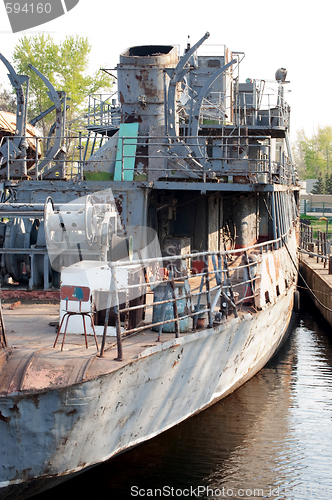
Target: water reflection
(272,438)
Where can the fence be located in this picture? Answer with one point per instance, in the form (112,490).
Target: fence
(319,207)
(323,245)
(306,236)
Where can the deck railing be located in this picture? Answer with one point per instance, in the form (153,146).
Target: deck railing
(101,109)
(203,158)
(207,158)
(308,244)
(306,236)
(227,281)
(319,248)
(323,247)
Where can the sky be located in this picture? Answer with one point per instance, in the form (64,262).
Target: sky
(292,34)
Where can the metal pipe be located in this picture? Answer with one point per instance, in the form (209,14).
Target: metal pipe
(199,300)
(165,102)
(235,251)
(160,323)
(318,255)
(175,308)
(8,159)
(28,251)
(105,324)
(274,227)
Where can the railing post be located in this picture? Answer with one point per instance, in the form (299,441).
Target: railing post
(175,306)
(122,159)
(3,339)
(229,286)
(113,294)
(8,160)
(208,295)
(270,163)
(81,163)
(251,285)
(198,303)
(36,168)
(117,313)
(218,276)
(163,311)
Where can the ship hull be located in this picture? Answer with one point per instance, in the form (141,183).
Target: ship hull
(51,434)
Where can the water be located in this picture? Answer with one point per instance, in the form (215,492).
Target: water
(272,438)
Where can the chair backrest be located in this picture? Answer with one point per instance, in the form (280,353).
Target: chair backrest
(76,293)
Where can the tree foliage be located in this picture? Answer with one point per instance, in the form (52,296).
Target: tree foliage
(328,183)
(7,100)
(319,186)
(314,154)
(65,65)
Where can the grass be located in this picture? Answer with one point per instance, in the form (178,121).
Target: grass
(316,224)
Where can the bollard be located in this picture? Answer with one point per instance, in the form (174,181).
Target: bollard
(330,264)
(311,248)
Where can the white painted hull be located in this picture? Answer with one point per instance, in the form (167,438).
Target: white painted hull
(58,432)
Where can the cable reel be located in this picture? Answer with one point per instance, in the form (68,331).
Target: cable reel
(73,222)
(18,235)
(79,231)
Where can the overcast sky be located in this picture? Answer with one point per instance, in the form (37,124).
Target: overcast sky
(288,33)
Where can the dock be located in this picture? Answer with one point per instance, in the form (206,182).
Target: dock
(317,277)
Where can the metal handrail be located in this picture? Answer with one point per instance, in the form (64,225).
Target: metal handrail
(270,243)
(314,254)
(223,289)
(228,150)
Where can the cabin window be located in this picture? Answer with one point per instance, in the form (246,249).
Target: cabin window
(213,63)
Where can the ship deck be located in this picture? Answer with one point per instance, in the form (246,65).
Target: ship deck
(30,363)
(33,364)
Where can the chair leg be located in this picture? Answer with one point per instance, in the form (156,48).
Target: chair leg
(64,333)
(59,329)
(85,335)
(94,332)
(66,316)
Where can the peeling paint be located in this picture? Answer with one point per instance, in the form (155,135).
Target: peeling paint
(4,419)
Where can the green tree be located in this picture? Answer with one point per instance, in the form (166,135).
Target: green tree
(314,154)
(7,100)
(319,186)
(328,183)
(65,65)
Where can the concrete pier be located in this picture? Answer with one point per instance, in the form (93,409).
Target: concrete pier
(320,282)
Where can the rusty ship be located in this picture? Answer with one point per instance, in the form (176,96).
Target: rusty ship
(168,235)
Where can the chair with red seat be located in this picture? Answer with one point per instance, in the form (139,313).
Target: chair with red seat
(78,294)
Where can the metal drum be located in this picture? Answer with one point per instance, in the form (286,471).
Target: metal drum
(183,304)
